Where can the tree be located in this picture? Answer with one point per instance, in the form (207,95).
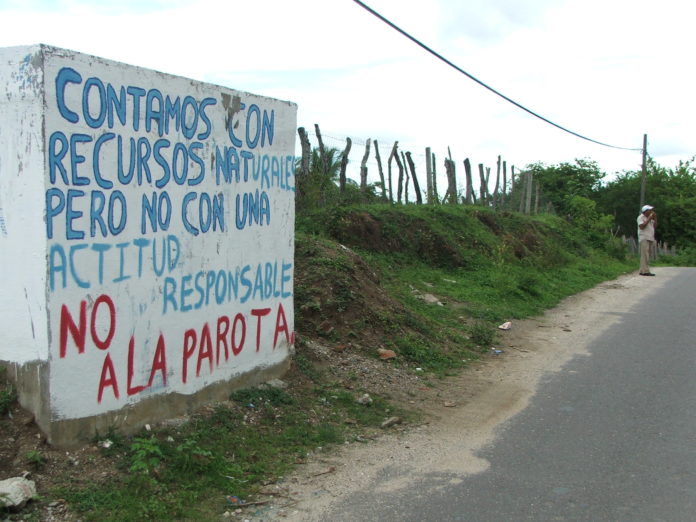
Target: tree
(671,191)
(320,187)
(559,183)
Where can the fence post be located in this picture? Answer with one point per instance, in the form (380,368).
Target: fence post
(451,195)
(483,189)
(381,171)
(523,186)
(528,194)
(502,197)
(400,184)
(497,185)
(389,170)
(363,166)
(322,151)
(416,186)
(344,164)
(469,181)
(406,176)
(436,196)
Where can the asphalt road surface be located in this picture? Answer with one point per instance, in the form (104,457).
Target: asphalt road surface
(612,437)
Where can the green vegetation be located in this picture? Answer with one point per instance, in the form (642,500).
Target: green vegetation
(35,458)
(577,191)
(8,393)
(229,451)
(431,283)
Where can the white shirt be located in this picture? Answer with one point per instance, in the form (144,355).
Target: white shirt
(649,231)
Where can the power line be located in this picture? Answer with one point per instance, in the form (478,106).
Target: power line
(470,76)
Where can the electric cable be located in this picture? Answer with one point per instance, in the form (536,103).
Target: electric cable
(470,76)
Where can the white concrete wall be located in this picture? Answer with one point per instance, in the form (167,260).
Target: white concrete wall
(144,302)
(23,323)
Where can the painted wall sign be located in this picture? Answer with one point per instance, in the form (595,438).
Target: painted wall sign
(167,229)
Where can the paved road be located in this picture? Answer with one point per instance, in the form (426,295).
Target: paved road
(612,437)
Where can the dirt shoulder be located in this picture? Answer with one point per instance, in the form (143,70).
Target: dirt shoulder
(463,413)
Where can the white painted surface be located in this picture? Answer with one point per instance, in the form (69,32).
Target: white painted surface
(22,241)
(102,269)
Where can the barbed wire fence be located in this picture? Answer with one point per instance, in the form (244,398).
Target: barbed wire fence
(401,176)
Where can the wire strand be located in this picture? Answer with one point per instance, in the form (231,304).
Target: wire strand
(494,91)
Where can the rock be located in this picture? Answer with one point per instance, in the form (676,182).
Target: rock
(448,404)
(365,400)
(17,491)
(430,299)
(391,421)
(277,384)
(505,326)
(386,354)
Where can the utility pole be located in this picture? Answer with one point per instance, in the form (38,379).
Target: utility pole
(645,171)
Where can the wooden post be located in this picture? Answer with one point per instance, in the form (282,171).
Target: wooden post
(406,177)
(452,179)
(448,173)
(416,186)
(483,189)
(536,200)
(502,199)
(344,164)
(469,181)
(644,171)
(322,151)
(428,176)
(400,184)
(436,196)
(389,170)
(303,174)
(306,151)
(451,195)
(381,171)
(523,185)
(363,166)
(497,185)
(528,199)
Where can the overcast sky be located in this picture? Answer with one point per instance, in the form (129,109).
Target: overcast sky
(611,70)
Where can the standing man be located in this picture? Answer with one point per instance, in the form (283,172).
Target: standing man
(647,221)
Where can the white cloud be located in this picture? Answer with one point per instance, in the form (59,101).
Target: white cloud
(609,70)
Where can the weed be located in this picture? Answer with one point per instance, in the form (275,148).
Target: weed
(8,397)
(306,367)
(35,458)
(481,334)
(146,455)
(192,458)
(8,393)
(272,396)
(426,355)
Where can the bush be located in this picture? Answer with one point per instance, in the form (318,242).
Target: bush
(685,257)
(8,394)
(481,334)
(616,248)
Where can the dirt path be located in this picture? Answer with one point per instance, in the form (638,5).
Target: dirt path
(468,410)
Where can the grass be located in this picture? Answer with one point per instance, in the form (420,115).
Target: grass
(8,393)
(189,473)
(485,267)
